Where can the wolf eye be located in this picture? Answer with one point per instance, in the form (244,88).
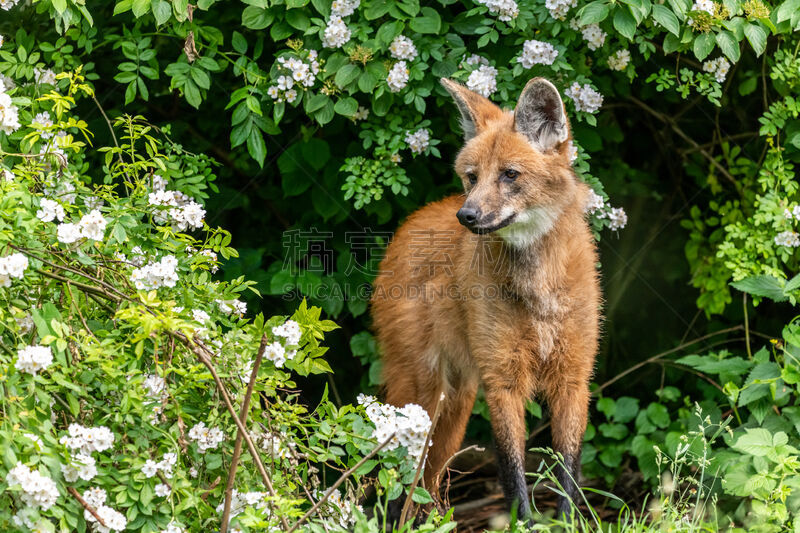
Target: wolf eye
(510,175)
(473,179)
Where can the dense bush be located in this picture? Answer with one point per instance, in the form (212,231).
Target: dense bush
(325,121)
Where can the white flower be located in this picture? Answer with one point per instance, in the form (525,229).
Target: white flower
(361,114)
(68,233)
(336,33)
(344,8)
(594,36)
(8,4)
(43,121)
(12,266)
(232,307)
(474,60)
(167,463)
(33,359)
(198,315)
(162,490)
(787,238)
(37,490)
(88,440)
(49,210)
(617,217)
(193,472)
(403,48)
(418,141)
(396,158)
(276,353)
(559,8)
(397,78)
(409,424)
(172,527)
(585,98)
(365,399)
(36,440)
(44,76)
(241,500)
(573,152)
(719,67)
(155,275)
(595,202)
(93,225)
(206,438)
(113,520)
(7,175)
(483,80)
(505,9)
(619,60)
(704,5)
(9,114)
(150,468)
(82,466)
(537,53)
(96,497)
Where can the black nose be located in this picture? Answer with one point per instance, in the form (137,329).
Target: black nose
(467,216)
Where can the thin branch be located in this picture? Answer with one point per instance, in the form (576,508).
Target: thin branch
(452,458)
(671,123)
(202,352)
(423,457)
(85,505)
(339,481)
(237,447)
(82,286)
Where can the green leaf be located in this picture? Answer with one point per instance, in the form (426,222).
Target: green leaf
(162,11)
(297,19)
(346,107)
(666,18)
(59,5)
(256,146)
(429,22)
(757,37)
(763,285)
(346,75)
(596,11)
(140,7)
(256,18)
(624,22)
(755,441)
(703,45)
(729,45)
(658,415)
(316,102)
(239,42)
(421,496)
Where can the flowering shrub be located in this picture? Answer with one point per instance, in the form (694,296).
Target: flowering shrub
(122,359)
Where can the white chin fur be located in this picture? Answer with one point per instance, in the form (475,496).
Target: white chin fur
(529,226)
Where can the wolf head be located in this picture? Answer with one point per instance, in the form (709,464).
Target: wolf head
(515,166)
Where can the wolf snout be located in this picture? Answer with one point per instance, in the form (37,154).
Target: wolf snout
(468,216)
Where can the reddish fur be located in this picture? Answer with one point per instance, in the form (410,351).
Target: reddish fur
(542,342)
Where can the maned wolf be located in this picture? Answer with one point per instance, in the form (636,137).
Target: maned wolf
(497,287)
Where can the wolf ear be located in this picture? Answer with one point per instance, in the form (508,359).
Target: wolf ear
(476,110)
(540,115)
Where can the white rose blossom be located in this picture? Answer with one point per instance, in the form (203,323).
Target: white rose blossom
(37,490)
(584,97)
(537,53)
(619,60)
(483,80)
(418,141)
(206,438)
(33,359)
(719,67)
(336,33)
(397,78)
(403,48)
(12,266)
(559,8)
(506,10)
(49,210)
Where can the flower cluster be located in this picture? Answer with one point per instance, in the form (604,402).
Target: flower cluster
(294,70)
(206,438)
(719,67)
(158,274)
(787,238)
(584,97)
(183,212)
(231,307)
(37,490)
(559,8)
(418,141)
(42,121)
(619,60)
(407,426)
(81,466)
(339,509)
(403,48)
(33,359)
(241,500)
(7,5)
(165,465)
(336,33)
(49,210)
(594,36)
(88,440)
(537,53)
(594,203)
(483,80)
(397,78)
(617,218)
(344,8)
(794,213)
(12,266)
(44,76)
(91,226)
(9,114)
(504,9)
(113,520)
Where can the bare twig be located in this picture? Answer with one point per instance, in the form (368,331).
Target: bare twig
(338,482)
(237,447)
(423,457)
(452,458)
(202,353)
(85,505)
(211,487)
